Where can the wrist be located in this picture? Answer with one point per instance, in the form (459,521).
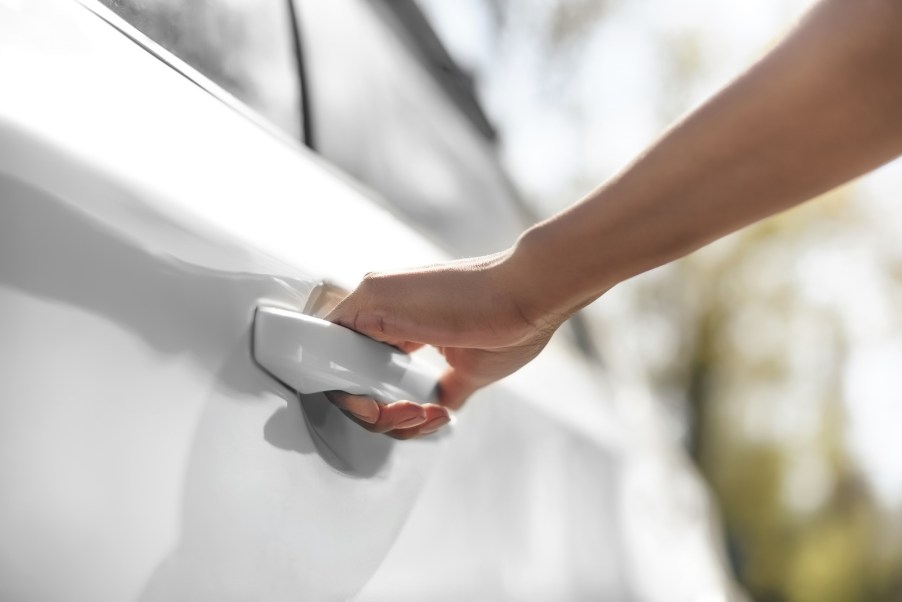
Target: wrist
(549,276)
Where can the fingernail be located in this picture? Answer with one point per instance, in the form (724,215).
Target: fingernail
(363,409)
(410,422)
(434,425)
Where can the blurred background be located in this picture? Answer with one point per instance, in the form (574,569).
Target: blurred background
(776,354)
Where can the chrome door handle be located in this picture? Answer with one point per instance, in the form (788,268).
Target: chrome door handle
(312,355)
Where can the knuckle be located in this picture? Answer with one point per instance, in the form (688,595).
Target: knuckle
(370,279)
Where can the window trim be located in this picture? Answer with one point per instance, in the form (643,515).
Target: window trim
(307,132)
(193,75)
(425,43)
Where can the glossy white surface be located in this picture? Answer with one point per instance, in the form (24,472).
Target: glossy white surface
(313,356)
(144,455)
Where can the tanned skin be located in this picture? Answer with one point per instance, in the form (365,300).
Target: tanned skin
(820,109)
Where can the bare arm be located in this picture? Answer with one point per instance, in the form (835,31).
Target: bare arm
(823,107)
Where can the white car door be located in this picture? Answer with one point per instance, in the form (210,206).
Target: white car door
(144,215)
(144,454)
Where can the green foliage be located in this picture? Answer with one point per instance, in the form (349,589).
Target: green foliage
(828,544)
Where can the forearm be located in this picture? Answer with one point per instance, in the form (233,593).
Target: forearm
(822,108)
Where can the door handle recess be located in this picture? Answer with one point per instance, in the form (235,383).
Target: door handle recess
(311,355)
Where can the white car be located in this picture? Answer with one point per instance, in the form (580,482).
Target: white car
(148,210)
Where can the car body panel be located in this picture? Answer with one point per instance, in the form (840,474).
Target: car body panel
(144,455)
(133,305)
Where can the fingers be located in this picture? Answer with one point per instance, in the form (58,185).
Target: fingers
(401,419)
(356,311)
(399,415)
(347,313)
(363,408)
(405,419)
(416,306)
(436,417)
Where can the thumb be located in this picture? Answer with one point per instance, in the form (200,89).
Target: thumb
(455,388)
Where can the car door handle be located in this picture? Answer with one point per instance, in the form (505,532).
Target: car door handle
(311,355)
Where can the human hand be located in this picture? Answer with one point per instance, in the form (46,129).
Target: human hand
(476,312)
